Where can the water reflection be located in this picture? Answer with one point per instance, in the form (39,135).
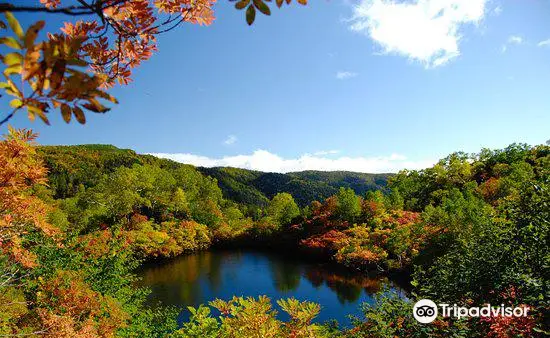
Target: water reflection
(196,279)
(286,275)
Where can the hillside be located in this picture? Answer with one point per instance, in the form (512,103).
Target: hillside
(71,166)
(255,187)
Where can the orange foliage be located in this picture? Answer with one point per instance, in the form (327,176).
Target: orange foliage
(135,25)
(69,308)
(103,242)
(389,237)
(20,212)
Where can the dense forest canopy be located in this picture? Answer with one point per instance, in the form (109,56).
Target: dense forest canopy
(71,166)
(75,221)
(254,187)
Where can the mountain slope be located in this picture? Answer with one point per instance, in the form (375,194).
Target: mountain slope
(255,187)
(71,166)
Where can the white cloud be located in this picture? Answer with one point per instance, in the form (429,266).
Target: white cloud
(265,161)
(515,39)
(512,40)
(231,139)
(423,30)
(326,152)
(544,43)
(497,10)
(345,75)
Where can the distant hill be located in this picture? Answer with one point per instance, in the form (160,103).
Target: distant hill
(256,187)
(70,166)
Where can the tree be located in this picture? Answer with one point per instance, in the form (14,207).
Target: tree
(349,205)
(20,212)
(115,37)
(283,209)
(23,220)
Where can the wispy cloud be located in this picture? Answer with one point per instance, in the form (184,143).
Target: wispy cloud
(326,152)
(231,139)
(515,39)
(264,160)
(544,43)
(428,31)
(345,75)
(497,10)
(512,40)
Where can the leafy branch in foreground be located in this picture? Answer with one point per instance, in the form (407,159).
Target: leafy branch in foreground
(115,37)
(49,72)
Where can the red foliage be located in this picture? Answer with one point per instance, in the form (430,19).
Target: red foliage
(390,237)
(327,241)
(490,189)
(508,327)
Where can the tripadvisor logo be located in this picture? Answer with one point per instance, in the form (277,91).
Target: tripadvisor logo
(425,311)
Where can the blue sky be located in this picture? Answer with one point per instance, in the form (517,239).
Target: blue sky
(358,85)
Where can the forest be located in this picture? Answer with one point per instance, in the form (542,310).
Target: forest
(76,222)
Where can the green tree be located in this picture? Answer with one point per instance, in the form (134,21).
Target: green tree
(282,208)
(348,205)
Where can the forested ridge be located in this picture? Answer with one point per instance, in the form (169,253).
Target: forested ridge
(255,187)
(87,162)
(76,221)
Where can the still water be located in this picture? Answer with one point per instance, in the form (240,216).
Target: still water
(199,278)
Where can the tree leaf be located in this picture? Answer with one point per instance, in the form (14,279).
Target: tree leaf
(42,116)
(31,115)
(15,69)
(12,93)
(242,4)
(16,103)
(66,112)
(32,111)
(262,7)
(79,115)
(10,42)
(32,33)
(107,96)
(14,87)
(13,59)
(250,15)
(58,73)
(95,106)
(14,25)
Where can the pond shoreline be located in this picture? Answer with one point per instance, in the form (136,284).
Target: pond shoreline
(401,277)
(191,280)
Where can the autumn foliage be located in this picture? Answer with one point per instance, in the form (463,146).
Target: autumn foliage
(379,237)
(20,211)
(70,308)
(71,69)
(468,230)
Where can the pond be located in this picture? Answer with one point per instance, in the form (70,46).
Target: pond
(199,278)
